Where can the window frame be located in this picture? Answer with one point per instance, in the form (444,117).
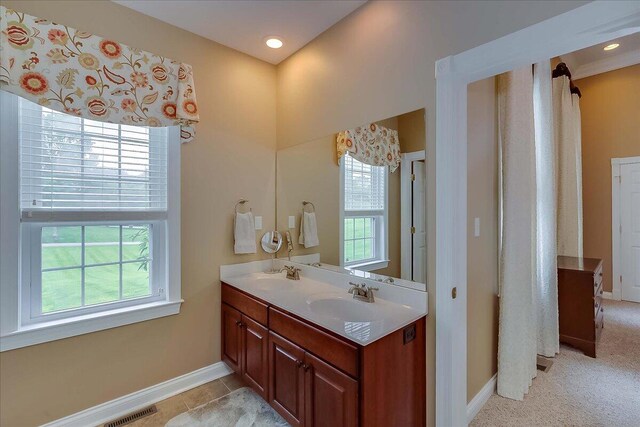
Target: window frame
(382,226)
(31,283)
(16,329)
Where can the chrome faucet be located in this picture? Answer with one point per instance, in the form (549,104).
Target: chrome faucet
(289,245)
(293,273)
(362,292)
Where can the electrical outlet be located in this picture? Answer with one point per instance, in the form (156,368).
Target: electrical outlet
(258,221)
(476,226)
(409,333)
(292,221)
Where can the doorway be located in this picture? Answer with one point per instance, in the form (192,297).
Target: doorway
(585,26)
(413,222)
(626,228)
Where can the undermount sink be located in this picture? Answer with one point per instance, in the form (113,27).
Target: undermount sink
(271,282)
(345,309)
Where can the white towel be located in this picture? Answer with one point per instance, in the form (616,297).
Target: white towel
(308,230)
(244,234)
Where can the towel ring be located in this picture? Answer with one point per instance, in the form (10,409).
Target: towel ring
(305,204)
(241,202)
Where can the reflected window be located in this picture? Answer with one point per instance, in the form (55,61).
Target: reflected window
(365,214)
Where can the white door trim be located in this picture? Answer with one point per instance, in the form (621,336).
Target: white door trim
(616,248)
(582,27)
(405,213)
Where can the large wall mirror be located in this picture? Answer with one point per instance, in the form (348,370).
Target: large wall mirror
(358,216)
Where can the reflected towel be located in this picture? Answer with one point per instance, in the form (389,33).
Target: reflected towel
(308,230)
(244,234)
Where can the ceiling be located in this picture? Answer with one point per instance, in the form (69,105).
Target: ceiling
(243,25)
(594,60)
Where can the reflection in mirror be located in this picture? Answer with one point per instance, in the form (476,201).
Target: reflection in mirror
(271,243)
(369,213)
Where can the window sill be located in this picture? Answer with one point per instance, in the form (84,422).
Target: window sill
(71,327)
(369,266)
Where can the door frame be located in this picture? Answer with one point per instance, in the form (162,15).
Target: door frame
(616,223)
(585,26)
(405,214)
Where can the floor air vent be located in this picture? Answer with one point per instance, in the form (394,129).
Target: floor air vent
(145,412)
(544,364)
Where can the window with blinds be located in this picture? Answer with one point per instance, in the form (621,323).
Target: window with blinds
(365,213)
(68,163)
(364,187)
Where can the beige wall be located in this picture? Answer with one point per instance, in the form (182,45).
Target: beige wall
(380,60)
(310,171)
(233,156)
(375,63)
(610,107)
(482,251)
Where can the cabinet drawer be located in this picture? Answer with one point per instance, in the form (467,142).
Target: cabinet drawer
(244,303)
(342,355)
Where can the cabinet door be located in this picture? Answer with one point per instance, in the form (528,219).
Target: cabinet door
(231,337)
(286,379)
(331,396)
(255,355)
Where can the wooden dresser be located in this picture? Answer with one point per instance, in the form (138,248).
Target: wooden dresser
(580,302)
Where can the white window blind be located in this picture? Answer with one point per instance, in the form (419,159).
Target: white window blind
(68,163)
(364,188)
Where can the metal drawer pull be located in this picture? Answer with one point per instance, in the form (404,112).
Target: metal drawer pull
(306,367)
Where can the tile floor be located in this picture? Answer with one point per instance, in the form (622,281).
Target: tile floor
(169,408)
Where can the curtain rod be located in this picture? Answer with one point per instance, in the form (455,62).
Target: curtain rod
(562,70)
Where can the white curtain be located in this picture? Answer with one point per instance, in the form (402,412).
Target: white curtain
(546,291)
(567,135)
(517,340)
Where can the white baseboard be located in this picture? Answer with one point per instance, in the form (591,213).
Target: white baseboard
(481,398)
(608,295)
(124,405)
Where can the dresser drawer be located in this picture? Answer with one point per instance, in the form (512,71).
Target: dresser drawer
(342,355)
(598,291)
(597,279)
(597,305)
(244,303)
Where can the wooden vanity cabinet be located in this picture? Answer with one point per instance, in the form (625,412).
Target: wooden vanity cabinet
(313,377)
(231,337)
(308,391)
(255,356)
(331,397)
(286,379)
(245,348)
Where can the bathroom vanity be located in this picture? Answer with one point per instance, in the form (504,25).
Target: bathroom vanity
(320,357)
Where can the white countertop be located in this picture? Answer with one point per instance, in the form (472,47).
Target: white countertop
(321,297)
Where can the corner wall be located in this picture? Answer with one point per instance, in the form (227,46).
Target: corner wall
(232,157)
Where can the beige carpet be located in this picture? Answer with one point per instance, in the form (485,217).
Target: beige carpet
(579,390)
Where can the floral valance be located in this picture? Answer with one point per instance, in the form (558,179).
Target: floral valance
(371,144)
(78,73)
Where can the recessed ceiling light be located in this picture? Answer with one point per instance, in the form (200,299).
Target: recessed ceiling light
(611,46)
(273,42)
